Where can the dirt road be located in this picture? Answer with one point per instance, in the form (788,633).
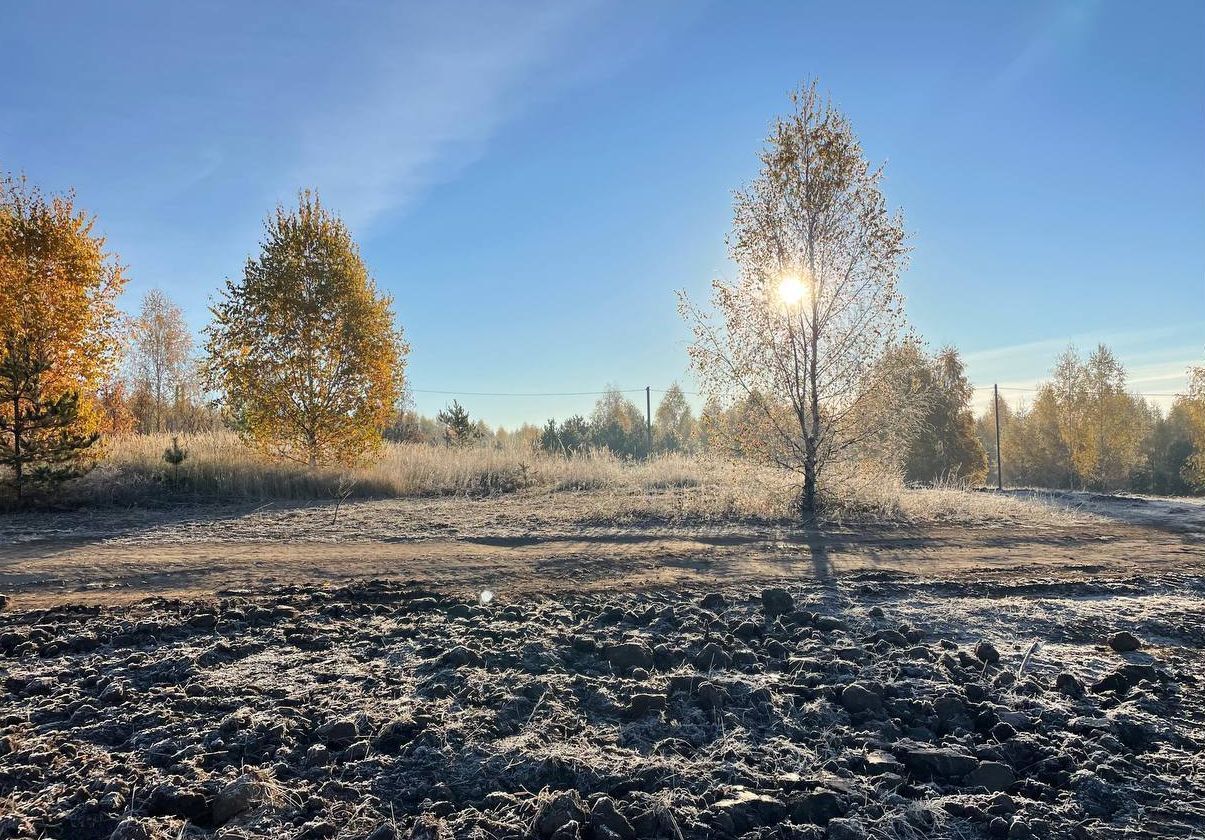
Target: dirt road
(463,546)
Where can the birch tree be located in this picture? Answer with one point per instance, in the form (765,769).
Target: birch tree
(803,329)
(160,361)
(1192,407)
(944,445)
(673,422)
(1102,426)
(303,348)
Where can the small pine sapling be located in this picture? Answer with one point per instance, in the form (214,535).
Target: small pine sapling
(175,455)
(41,443)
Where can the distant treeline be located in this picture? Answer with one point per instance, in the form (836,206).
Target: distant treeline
(616,424)
(1084,429)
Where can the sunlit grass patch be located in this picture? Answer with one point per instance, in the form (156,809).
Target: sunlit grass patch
(603,487)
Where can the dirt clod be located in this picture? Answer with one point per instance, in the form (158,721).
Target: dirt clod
(859,697)
(986,652)
(562,815)
(1124,642)
(993,775)
(776,601)
(246,792)
(629,655)
(1069,684)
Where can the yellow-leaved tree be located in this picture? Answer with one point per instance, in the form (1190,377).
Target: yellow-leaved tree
(1102,425)
(58,325)
(1192,405)
(303,349)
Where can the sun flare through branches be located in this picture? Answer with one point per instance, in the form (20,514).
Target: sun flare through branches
(792,290)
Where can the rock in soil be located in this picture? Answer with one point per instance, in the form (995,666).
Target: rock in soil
(1124,642)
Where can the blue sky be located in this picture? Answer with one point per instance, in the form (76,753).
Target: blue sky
(533,181)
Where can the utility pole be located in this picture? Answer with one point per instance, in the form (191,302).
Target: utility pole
(1100,456)
(648,415)
(999,470)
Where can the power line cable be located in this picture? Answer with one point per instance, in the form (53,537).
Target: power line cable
(692,393)
(527,393)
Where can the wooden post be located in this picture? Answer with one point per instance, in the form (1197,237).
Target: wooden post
(648,416)
(999,470)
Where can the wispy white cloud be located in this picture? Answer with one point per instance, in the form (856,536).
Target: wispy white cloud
(1048,347)
(429,96)
(1156,360)
(1065,24)
(1167,377)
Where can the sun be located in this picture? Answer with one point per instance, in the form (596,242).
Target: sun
(792,290)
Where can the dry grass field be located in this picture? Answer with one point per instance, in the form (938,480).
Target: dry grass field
(220,468)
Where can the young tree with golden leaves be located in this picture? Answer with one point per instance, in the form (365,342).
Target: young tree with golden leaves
(1116,424)
(303,349)
(1192,407)
(816,305)
(160,362)
(1102,425)
(58,288)
(618,424)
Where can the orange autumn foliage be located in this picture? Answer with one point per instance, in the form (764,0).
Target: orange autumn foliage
(58,289)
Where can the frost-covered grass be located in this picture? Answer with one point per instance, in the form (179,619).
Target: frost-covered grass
(220,465)
(605,487)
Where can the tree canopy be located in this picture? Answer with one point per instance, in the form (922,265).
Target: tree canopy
(58,292)
(161,365)
(1084,429)
(458,428)
(816,306)
(40,441)
(943,443)
(303,348)
(673,422)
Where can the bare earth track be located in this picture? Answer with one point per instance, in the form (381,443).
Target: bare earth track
(517,546)
(226,672)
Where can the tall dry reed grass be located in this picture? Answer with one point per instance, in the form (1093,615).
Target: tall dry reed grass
(220,467)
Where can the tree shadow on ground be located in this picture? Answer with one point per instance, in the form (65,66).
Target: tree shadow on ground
(822,567)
